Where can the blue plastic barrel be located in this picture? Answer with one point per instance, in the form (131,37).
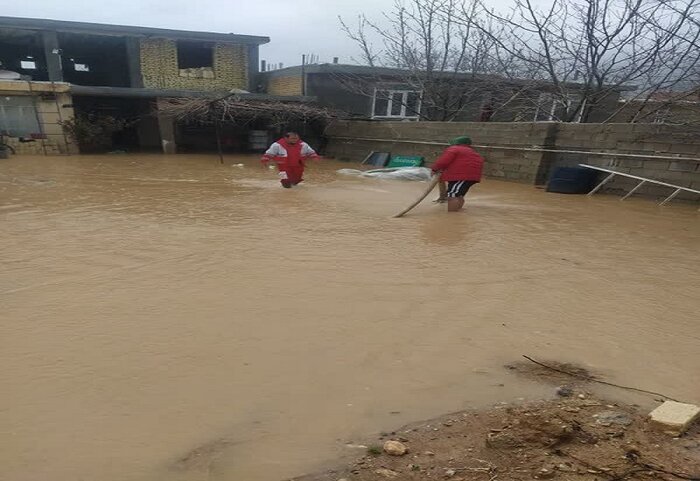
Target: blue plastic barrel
(572,180)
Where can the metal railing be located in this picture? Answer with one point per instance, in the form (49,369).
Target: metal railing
(524,149)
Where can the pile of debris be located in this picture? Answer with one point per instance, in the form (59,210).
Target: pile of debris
(241,109)
(570,438)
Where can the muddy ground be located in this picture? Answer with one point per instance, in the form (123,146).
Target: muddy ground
(575,436)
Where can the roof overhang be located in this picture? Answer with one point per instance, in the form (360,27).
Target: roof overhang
(126,31)
(126,92)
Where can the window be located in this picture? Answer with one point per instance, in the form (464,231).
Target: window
(18,116)
(546,108)
(398,104)
(412,103)
(194,55)
(662,116)
(551,109)
(381,105)
(79,66)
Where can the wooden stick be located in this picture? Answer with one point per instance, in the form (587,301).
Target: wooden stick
(218,142)
(433,182)
(592,379)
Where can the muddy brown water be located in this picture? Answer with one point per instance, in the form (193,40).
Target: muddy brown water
(172,318)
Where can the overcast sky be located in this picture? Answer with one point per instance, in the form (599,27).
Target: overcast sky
(294,26)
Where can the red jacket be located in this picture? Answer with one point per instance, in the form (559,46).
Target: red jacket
(289,155)
(459,162)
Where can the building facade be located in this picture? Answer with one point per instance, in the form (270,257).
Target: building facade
(380,93)
(111,70)
(31,116)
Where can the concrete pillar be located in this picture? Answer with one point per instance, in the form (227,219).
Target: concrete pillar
(547,159)
(133,59)
(166,127)
(253,65)
(52,53)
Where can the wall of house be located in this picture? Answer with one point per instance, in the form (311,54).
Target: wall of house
(53,105)
(353,140)
(605,109)
(331,93)
(159,67)
(353,95)
(287,85)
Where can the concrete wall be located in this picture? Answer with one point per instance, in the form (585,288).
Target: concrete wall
(519,166)
(353,140)
(53,105)
(644,139)
(159,67)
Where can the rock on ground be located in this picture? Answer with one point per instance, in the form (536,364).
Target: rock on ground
(675,417)
(395,448)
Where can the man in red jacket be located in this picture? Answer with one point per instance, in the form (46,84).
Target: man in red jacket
(289,152)
(460,167)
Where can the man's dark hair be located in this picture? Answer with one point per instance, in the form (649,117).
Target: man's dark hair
(289,134)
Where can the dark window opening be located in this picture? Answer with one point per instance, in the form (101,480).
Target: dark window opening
(396,104)
(412,103)
(194,55)
(381,103)
(94,60)
(22,52)
(126,124)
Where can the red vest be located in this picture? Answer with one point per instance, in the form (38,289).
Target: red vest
(293,158)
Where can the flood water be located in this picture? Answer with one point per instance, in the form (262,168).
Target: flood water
(174,318)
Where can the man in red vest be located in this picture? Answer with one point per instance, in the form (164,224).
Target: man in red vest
(460,167)
(290,153)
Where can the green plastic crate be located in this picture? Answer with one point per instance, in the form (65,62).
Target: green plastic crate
(406,161)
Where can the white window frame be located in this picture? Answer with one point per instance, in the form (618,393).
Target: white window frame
(544,100)
(662,116)
(390,100)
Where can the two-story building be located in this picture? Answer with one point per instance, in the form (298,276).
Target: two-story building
(54,71)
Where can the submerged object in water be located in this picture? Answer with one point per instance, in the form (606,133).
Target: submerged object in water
(396,173)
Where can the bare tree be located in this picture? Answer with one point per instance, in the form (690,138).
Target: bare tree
(359,35)
(671,107)
(449,63)
(590,50)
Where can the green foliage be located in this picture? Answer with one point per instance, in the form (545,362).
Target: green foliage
(93,132)
(374,450)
